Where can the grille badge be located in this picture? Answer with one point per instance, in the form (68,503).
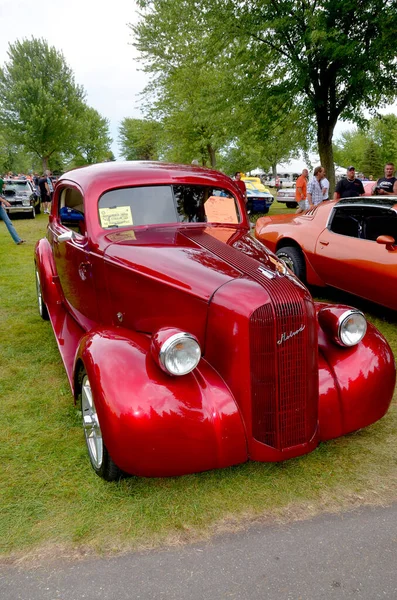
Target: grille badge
(286,336)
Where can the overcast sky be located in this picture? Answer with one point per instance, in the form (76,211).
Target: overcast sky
(96,41)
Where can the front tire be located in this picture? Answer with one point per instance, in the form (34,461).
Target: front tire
(43,311)
(294,259)
(32,214)
(291,204)
(99,456)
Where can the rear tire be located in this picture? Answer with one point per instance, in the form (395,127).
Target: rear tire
(294,259)
(291,204)
(100,459)
(43,311)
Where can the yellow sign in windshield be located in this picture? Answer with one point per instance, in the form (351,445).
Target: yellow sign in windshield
(116,216)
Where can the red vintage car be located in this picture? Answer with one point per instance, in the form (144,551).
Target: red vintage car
(349,245)
(188,345)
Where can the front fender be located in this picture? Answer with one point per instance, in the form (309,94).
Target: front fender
(154,424)
(356,384)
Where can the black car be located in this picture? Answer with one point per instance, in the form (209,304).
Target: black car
(22,196)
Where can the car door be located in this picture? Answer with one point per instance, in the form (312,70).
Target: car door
(71,250)
(348,257)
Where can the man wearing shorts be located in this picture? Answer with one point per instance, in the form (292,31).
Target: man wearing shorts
(301,191)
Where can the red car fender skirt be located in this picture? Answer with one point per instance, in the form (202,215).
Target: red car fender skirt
(356,384)
(45,264)
(154,424)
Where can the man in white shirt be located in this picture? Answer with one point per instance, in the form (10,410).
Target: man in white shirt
(325,186)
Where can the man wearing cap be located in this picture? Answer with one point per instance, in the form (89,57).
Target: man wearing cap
(349,187)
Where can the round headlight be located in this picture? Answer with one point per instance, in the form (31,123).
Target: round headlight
(352,327)
(179,354)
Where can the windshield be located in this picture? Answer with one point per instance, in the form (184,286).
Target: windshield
(151,205)
(17,186)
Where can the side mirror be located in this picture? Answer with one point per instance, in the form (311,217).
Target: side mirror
(387,240)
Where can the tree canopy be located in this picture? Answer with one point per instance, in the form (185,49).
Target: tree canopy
(329,59)
(93,142)
(370,146)
(140,139)
(40,101)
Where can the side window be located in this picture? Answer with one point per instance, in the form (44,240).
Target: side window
(346,222)
(71,210)
(382,222)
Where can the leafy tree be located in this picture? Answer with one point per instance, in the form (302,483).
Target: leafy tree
(94,140)
(383,130)
(370,147)
(140,139)
(39,99)
(350,148)
(330,59)
(372,161)
(12,156)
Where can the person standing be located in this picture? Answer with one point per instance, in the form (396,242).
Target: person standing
(315,188)
(349,187)
(4,217)
(301,191)
(325,186)
(240,184)
(44,193)
(51,188)
(387,185)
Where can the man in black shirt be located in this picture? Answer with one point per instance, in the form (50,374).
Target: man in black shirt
(387,185)
(44,193)
(349,187)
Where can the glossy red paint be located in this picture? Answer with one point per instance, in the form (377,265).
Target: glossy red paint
(271,383)
(350,245)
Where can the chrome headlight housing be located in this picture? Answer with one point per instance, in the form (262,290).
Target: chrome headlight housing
(352,327)
(345,326)
(176,352)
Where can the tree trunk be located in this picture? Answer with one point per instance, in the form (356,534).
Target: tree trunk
(44,160)
(211,152)
(274,171)
(325,133)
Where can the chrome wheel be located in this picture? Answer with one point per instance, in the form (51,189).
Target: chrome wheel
(294,259)
(289,262)
(92,430)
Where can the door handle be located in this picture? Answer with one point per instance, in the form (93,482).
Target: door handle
(323,243)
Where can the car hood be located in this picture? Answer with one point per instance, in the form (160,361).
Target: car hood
(196,259)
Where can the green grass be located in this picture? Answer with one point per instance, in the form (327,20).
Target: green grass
(52,503)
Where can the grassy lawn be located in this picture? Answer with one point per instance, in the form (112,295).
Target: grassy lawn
(52,503)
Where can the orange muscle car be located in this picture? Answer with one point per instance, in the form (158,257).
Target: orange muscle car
(349,244)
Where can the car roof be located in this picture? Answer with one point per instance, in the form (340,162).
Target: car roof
(104,176)
(378,201)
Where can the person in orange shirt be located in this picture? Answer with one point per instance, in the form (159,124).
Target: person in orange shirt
(301,191)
